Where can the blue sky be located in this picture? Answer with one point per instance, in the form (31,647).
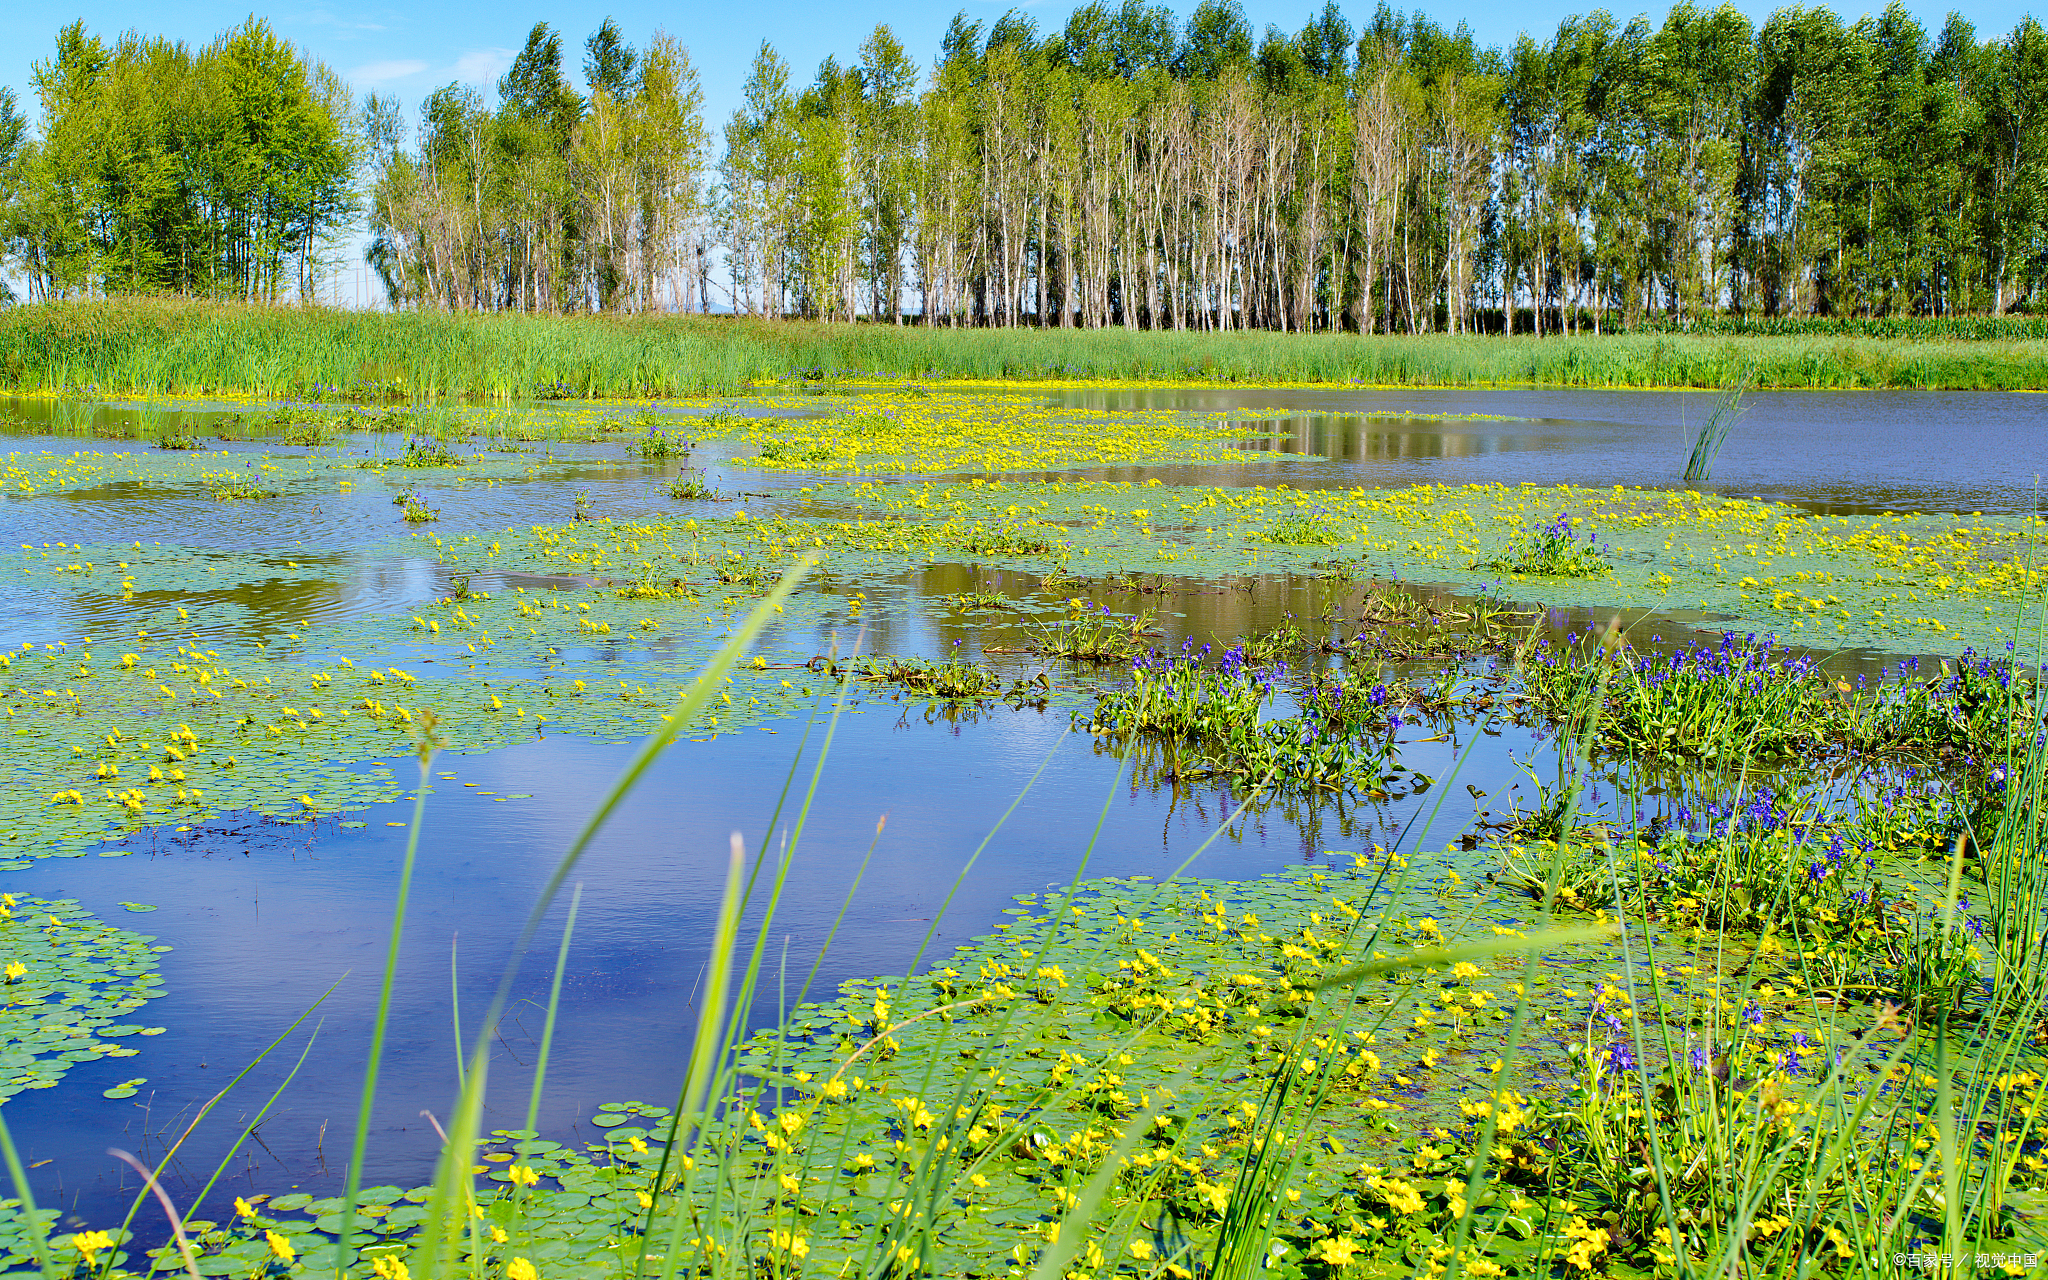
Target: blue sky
(409,48)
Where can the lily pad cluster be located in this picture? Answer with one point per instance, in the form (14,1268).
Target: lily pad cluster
(71,986)
(1149,1043)
(1915,583)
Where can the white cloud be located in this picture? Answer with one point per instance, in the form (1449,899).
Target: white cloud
(384,72)
(482,66)
(478,67)
(325,18)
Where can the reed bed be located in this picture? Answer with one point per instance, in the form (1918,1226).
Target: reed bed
(169,347)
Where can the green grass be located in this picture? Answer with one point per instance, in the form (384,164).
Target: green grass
(1553,550)
(1209,718)
(195,348)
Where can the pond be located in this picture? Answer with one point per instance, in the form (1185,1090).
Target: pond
(275,916)
(1844,451)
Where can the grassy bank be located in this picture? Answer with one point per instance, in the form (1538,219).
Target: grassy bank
(169,347)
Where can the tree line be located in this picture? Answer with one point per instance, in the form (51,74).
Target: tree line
(227,171)
(1135,170)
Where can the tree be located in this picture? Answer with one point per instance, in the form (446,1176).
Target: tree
(884,141)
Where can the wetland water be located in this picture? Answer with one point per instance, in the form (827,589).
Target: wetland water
(1822,450)
(262,916)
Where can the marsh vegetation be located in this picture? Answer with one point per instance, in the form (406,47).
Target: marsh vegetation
(1618,941)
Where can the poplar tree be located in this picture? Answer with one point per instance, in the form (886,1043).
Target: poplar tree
(1126,169)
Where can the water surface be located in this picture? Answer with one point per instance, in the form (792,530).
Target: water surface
(263,917)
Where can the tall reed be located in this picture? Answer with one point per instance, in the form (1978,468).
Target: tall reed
(193,348)
(1713,433)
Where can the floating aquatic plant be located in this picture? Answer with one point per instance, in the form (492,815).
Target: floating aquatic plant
(70,985)
(690,486)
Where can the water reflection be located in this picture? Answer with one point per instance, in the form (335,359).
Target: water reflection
(1835,451)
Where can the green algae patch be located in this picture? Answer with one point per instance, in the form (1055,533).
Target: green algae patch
(71,985)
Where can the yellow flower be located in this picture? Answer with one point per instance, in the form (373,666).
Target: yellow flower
(280,1246)
(520,1269)
(1398,1194)
(1337,1251)
(522,1175)
(789,1185)
(1465,971)
(15,969)
(1586,1242)
(390,1268)
(89,1243)
(1139,1249)
(243,1209)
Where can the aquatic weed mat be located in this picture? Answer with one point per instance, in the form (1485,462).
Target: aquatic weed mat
(69,981)
(104,742)
(1133,1026)
(171,722)
(188,726)
(898,431)
(1900,582)
(191,726)
(946,432)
